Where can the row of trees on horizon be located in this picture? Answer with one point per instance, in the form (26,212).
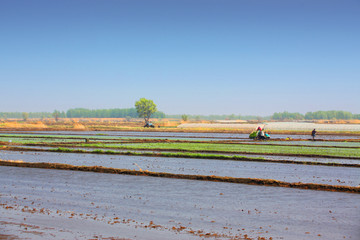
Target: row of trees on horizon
(81,113)
(326,115)
(132,113)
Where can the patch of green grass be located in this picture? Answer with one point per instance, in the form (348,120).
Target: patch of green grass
(60,149)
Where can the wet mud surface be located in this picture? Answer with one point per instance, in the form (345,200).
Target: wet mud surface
(211,178)
(121,147)
(245,169)
(266,157)
(83,205)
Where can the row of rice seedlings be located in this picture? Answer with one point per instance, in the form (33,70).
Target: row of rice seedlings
(185,155)
(238,148)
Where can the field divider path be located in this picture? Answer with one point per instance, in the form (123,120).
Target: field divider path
(183,155)
(250,181)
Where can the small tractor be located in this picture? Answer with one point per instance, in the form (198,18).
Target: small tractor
(149,125)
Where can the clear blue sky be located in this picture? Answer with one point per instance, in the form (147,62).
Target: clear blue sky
(188,56)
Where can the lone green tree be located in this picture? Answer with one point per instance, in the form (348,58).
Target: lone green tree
(145,108)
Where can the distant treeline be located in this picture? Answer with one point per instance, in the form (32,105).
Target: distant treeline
(5,115)
(107,113)
(326,115)
(82,113)
(218,117)
(132,113)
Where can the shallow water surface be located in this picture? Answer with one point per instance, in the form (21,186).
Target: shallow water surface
(243,169)
(212,207)
(182,135)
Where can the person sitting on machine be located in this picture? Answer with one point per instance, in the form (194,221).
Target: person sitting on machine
(262,134)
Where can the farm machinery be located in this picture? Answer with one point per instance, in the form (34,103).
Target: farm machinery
(149,125)
(259,135)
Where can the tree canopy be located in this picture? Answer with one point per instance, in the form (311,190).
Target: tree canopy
(133,113)
(107,113)
(145,108)
(330,115)
(287,116)
(326,115)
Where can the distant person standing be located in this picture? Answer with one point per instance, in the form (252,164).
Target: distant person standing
(313,133)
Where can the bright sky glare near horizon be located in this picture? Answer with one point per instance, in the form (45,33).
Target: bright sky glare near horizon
(189,56)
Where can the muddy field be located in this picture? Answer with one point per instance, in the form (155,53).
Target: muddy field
(277,171)
(80,204)
(37,203)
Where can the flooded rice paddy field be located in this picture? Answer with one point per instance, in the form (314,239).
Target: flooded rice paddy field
(82,205)
(313,143)
(239,169)
(179,135)
(58,204)
(266,157)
